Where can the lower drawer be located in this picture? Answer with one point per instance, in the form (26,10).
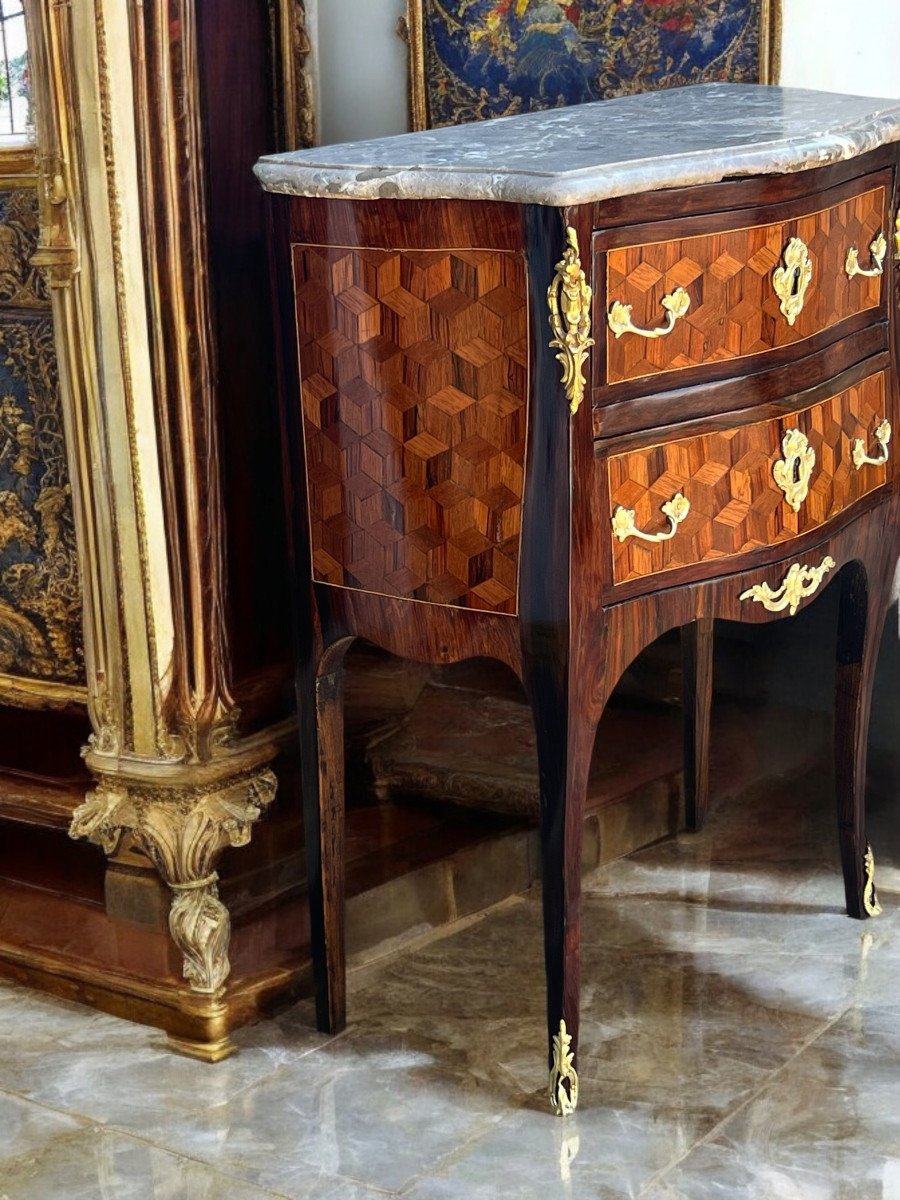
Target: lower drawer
(731,490)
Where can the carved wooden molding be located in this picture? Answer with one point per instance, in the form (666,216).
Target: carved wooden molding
(59,161)
(171,184)
(133,315)
(183,831)
(296,121)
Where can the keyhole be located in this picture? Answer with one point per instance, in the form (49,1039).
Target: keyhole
(796,470)
(795,285)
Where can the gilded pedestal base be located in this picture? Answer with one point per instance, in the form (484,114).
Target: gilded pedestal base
(182,831)
(199,1026)
(211,1052)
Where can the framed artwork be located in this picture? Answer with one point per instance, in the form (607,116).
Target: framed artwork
(296,121)
(473,59)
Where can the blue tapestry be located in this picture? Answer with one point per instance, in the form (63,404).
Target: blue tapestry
(492,58)
(40,595)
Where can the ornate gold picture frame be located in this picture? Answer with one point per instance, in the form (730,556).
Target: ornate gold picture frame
(296,121)
(41,639)
(474,59)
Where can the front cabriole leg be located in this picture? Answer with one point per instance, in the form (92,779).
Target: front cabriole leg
(860,619)
(555,678)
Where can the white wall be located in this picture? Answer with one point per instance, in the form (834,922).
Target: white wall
(362,68)
(842,46)
(837,45)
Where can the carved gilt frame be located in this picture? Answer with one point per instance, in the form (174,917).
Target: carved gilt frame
(19,168)
(122,245)
(295,121)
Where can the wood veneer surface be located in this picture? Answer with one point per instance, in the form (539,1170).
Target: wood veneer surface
(726,474)
(414,380)
(734,311)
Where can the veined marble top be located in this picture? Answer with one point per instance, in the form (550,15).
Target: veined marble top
(689,135)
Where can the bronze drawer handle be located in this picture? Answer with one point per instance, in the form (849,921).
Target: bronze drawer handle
(792,280)
(794,470)
(799,583)
(676,305)
(883,438)
(877,248)
(897,235)
(675,509)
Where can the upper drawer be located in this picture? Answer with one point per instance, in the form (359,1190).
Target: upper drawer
(707,290)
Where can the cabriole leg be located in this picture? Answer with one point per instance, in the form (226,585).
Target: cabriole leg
(697,675)
(859,628)
(565,740)
(321,708)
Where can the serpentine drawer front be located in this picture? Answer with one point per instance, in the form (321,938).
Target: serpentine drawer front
(741,286)
(746,486)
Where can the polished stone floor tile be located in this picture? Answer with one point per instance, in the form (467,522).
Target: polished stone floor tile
(127,1078)
(102,1165)
(716,1173)
(643,925)
(24,1127)
(670,1014)
(477,1000)
(285,1038)
(740,1040)
(828,1127)
(377,1109)
(701,872)
(604,1152)
(111,1071)
(45,1018)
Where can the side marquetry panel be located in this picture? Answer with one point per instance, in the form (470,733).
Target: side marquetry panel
(734,311)
(726,475)
(414,369)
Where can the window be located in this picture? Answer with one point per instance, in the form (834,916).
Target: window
(15,80)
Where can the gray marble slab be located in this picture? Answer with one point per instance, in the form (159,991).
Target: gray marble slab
(690,135)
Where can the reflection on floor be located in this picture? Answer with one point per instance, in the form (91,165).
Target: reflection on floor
(740,1040)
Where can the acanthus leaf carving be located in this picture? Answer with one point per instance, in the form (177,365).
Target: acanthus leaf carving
(201,928)
(182,832)
(105,739)
(103,817)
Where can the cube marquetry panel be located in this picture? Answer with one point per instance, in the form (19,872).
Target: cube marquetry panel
(414,368)
(734,311)
(736,506)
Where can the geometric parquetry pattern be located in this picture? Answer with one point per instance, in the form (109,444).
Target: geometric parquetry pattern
(414,379)
(734,311)
(736,506)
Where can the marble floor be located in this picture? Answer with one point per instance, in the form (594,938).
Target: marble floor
(740,1040)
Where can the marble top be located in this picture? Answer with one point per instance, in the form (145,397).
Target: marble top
(689,135)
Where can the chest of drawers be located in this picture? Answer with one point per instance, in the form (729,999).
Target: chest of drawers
(553,387)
